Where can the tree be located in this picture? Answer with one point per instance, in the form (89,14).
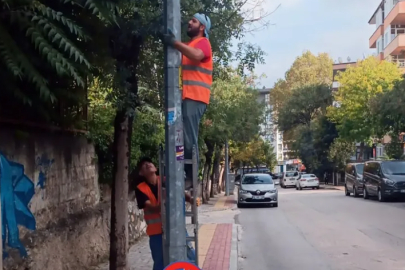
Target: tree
(302,115)
(307,69)
(304,105)
(226,119)
(255,153)
(388,110)
(340,152)
(359,86)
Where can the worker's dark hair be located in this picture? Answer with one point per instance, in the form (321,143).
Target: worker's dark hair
(143,161)
(134,179)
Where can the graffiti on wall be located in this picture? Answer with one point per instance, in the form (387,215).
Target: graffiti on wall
(17,191)
(43,164)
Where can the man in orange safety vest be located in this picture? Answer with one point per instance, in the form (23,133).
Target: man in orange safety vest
(146,187)
(196,72)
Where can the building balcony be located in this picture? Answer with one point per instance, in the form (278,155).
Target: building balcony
(377,34)
(396,15)
(396,46)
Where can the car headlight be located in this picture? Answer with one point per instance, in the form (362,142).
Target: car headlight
(389,182)
(272,191)
(241,191)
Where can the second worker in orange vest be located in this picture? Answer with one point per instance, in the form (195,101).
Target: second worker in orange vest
(196,68)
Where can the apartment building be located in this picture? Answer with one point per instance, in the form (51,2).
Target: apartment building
(389,36)
(269,130)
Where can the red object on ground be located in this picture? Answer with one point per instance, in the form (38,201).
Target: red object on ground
(219,252)
(182,265)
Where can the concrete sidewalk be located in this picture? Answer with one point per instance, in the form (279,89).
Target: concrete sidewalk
(218,244)
(332,187)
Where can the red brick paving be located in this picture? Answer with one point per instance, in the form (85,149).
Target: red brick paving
(230,201)
(219,252)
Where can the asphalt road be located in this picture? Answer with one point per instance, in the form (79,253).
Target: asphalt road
(323,229)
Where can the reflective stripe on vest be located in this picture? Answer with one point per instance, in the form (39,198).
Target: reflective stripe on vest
(197,83)
(197,68)
(197,77)
(153,221)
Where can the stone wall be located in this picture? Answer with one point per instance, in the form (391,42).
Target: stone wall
(53,215)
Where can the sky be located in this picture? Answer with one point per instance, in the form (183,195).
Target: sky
(337,27)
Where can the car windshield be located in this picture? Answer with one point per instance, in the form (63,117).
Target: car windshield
(394,168)
(257,179)
(290,174)
(360,168)
(308,176)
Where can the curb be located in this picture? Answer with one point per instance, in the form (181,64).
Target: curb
(233,264)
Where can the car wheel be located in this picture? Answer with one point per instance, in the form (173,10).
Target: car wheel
(355,194)
(275,204)
(313,188)
(365,193)
(317,187)
(347,193)
(296,187)
(300,187)
(381,197)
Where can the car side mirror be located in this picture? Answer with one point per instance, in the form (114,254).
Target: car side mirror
(237,183)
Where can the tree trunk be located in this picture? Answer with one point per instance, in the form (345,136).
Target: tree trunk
(361,151)
(207,167)
(221,179)
(216,171)
(119,196)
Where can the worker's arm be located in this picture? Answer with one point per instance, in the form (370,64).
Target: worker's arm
(152,207)
(188,198)
(195,54)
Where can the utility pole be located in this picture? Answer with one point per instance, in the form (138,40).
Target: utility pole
(175,227)
(1,242)
(226,169)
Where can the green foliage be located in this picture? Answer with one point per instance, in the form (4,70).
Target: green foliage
(394,149)
(147,135)
(254,153)
(389,111)
(341,151)
(233,113)
(41,36)
(359,85)
(304,105)
(313,142)
(307,69)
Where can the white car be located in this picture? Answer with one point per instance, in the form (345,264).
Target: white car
(307,181)
(290,178)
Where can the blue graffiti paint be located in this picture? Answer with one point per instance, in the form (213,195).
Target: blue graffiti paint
(43,163)
(17,191)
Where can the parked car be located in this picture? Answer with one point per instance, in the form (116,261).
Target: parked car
(354,179)
(384,179)
(289,179)
(257,188)
(276,178)
(307,181)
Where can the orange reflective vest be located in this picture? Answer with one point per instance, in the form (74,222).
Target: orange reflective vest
(196,77)
(152,218)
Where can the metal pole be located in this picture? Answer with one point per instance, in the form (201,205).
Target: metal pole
(226,169)
(1,242)
(174,154)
